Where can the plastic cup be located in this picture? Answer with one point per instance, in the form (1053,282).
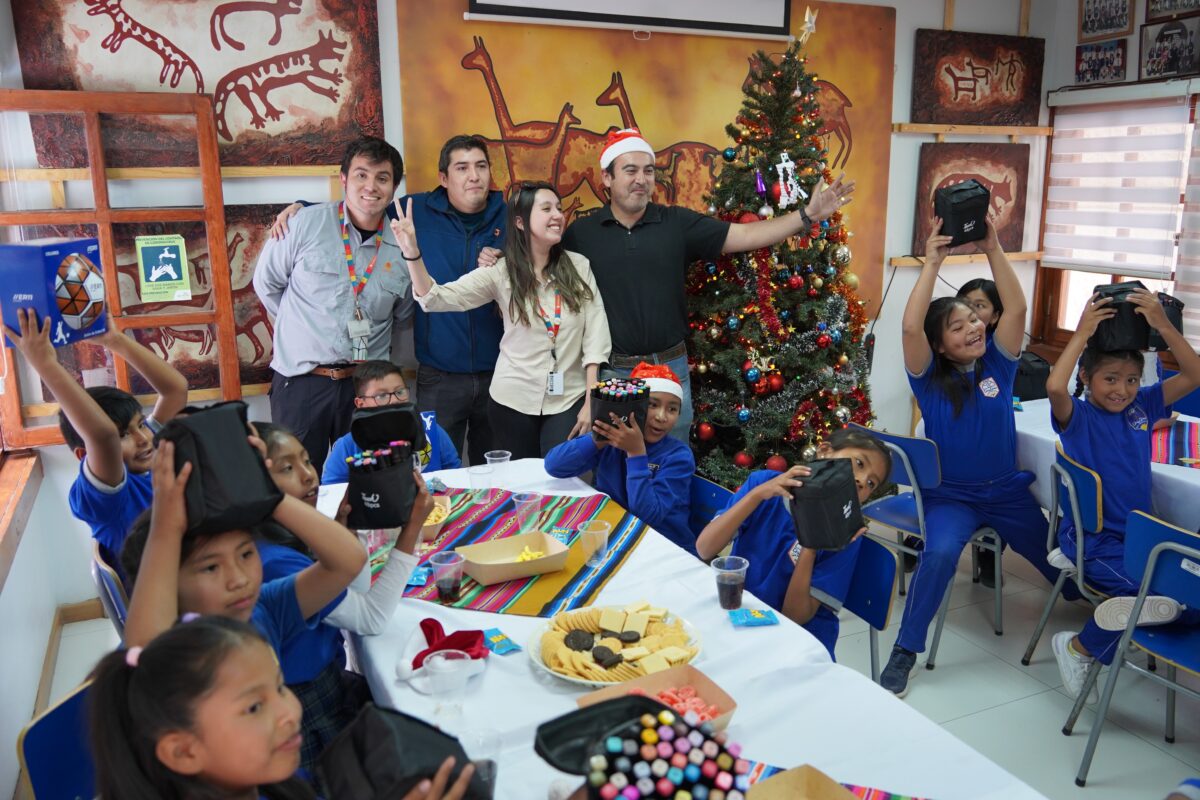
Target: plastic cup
(448,671)
(447,575)
(498,456)
(482,745)
(481,478)
(527,505)
(731,580)
(594,536)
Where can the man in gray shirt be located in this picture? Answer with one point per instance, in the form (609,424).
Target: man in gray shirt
(335,287)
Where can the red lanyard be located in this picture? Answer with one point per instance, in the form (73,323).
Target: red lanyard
(552,329)
(357,283)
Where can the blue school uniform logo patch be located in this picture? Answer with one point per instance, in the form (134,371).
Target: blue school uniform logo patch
(653,469)
(794,553)
(989,387)
(1137,419)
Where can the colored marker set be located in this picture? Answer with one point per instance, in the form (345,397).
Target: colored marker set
(384,458)
(620,389)
(628,399)
(665,755)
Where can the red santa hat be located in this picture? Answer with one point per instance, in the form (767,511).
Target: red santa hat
(658,378)
(624,141)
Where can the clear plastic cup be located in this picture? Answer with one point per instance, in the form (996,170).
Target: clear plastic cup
(448,672)
(527,505)
(498,456)
(594,536)
(481,478)
(447,575)
(731,580)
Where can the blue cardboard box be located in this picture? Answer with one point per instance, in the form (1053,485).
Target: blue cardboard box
(60,279)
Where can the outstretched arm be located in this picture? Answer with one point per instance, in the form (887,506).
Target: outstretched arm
(100,436)
(745,237)
(720,532)
(167,382)
(339,555)
(1057,388)
(1010,330)
(917,354)
(1177,386)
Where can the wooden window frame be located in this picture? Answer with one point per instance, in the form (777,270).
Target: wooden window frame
(90,105)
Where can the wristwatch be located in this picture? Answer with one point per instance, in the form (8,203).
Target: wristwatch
(804,216)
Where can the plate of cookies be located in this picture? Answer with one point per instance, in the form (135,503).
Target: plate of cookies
(604,645)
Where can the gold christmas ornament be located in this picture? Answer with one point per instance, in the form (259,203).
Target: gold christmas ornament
(850,279)
(840,255)
(817,283)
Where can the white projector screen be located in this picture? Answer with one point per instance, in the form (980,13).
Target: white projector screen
(762,17)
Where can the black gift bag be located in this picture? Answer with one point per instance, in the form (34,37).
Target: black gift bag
(963,208)
(383,754)
(1125,330)
(381,490)
(230,487)
(825,509)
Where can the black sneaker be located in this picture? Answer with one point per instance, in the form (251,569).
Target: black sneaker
(910,561)
(987,567)
(901,667)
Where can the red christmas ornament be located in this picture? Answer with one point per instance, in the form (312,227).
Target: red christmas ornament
(747,217)
(743,459)
(705,432)
(824,341)
(804,243)
(775,191)
(746,365)
(760,386)
(813,293)
(795,282)
(777,463)
(775,382)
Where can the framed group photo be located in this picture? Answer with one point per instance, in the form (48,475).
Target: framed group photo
(1104,19)
(1101,62)
(1169,49)
(1157,10)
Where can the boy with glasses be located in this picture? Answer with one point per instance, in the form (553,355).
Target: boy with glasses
(378,384)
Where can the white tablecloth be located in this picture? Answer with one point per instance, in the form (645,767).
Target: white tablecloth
(1176,489)
(794,705)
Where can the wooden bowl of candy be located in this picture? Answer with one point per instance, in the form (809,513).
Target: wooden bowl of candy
(683,688)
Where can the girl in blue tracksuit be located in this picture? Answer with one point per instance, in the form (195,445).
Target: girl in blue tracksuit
(806,585)
(648,472)
(1108,430)
(963,385)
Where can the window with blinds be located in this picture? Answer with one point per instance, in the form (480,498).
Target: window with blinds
(1114,189)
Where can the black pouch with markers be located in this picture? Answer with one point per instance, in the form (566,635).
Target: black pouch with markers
(381,487)
(635,406)
(1126,329)
(825,508)
(230,487)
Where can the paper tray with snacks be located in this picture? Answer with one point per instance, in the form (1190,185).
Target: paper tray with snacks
(513,557)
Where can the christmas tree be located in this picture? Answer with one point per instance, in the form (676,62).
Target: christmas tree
(776,334)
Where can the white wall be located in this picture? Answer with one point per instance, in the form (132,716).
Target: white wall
(51,566)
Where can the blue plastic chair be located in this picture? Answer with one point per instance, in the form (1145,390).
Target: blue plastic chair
(915,464)
(110,589)
(54,752)
(706,500)
(872,587)
(1080,493)
(1168,559)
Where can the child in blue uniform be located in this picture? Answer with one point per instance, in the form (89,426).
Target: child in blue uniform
(314,661)
(222,574)
(648,472)
(377,384)
(963,385)
(1108,430)
(105,429)
(806,585)
(981,295)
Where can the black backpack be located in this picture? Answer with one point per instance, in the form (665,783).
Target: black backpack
(1032,372)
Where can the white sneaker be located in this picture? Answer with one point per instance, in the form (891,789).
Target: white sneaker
(1072,666)
(1058,559)
(1113,614)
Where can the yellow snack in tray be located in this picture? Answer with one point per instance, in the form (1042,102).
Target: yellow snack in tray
(438,514)
(528,555)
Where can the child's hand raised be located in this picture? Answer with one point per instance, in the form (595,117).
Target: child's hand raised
(1149,307)
(423,503)
(1096,311)
(782,485)
(436,789)
(625,436)
(169,508)
(937,246)
(33,340)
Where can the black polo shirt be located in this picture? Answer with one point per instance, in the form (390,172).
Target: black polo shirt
(641,270)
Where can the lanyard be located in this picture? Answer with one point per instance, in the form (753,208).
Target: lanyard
(552,329)
(357,283)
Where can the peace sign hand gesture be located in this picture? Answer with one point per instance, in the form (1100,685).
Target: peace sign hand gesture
(405,231)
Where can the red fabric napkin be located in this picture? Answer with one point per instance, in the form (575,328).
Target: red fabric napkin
(470,642)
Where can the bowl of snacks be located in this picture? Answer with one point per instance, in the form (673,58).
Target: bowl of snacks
(603,645)
(436,519)
(514,557)
(684,688)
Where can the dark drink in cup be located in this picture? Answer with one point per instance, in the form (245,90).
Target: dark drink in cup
(729,590)
(449,589)
(731,580)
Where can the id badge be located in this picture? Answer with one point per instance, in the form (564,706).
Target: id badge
(554,384)
(359,328)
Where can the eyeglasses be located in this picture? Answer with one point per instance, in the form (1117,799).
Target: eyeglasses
(516,189)
(383,398)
